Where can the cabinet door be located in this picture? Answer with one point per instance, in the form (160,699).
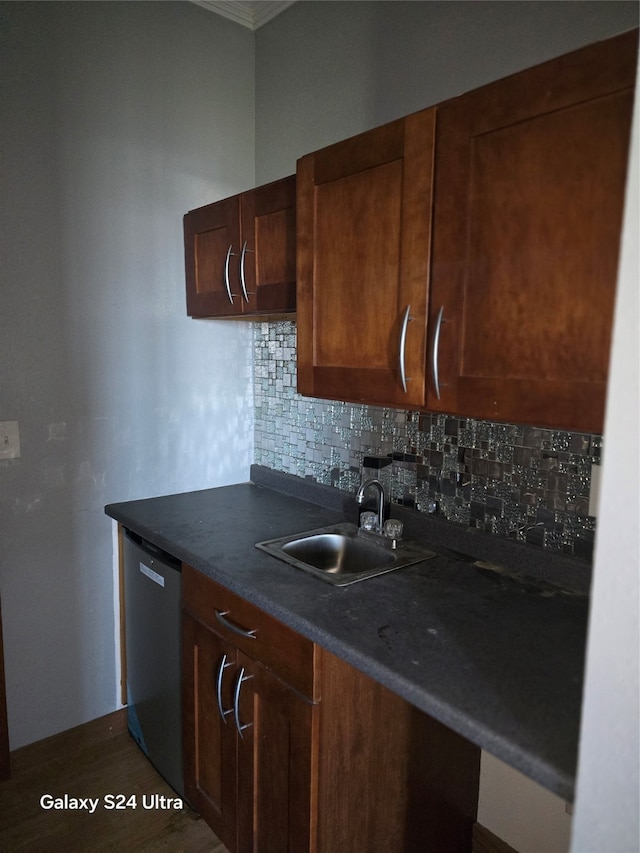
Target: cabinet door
(210,758)
(364,228)
(240,253)
(268,253)
(211,247)
(527,216)
(277,764)
(391,779)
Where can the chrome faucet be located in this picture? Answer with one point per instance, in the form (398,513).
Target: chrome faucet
(381,499)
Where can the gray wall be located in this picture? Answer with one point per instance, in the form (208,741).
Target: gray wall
(116,119)
(608,790)
(328,70)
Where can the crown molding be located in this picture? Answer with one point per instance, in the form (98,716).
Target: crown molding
(249,13)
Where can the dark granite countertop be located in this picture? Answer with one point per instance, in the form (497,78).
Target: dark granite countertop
(489,647)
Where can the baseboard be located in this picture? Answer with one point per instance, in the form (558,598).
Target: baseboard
(485,841)
(84,735)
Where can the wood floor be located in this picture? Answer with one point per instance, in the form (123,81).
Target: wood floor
(93,761)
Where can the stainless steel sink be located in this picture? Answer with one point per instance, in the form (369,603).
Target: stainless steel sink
(339,555)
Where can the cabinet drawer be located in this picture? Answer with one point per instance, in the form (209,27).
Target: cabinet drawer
(264,639)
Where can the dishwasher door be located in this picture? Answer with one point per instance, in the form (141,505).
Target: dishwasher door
(152,601)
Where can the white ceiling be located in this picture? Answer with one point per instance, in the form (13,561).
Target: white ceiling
(249,13)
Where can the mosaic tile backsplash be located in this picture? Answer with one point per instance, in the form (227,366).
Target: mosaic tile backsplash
(525,483)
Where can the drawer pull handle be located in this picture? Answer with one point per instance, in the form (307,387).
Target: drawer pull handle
(403,346)
(242,280)
(434,352)
(227,283)
(223,665)
(220,616)
(236,702)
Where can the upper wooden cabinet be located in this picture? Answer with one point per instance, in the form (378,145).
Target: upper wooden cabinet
(364,226)
(517,275)
(240,254)
(530,183)
(288,749)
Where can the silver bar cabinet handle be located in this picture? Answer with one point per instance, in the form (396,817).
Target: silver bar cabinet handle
(242,281)
(220,616)
(223,665)
(236,701)
(434,352)
(402,347)
(226,274)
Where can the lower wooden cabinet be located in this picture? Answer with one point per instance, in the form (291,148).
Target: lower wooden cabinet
(391,778)
(250,721)
(210,753)
(277,758)
(249,747)
(331,763)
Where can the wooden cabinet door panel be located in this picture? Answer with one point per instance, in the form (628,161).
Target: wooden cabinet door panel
(364,223)
(268,217)
(210,749)
(249,629)
(391,778)
(212,240)
(277,758)
(530,186)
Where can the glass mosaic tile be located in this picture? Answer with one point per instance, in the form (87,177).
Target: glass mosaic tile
(522,482)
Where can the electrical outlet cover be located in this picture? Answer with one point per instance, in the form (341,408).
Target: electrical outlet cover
(9,440)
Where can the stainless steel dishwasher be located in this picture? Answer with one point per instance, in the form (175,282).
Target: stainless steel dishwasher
(152,602)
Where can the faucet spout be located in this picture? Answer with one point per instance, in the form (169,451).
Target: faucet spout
(376,484)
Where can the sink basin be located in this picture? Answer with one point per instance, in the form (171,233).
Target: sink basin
(339,555)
